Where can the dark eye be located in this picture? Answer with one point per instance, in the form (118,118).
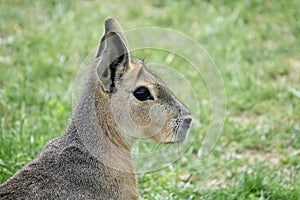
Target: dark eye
(143,94)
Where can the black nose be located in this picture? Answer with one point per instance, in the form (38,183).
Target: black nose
(188,120)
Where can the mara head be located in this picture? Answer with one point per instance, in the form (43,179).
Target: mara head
(140,104)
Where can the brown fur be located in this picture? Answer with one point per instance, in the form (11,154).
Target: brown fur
(106,122)
(92,159)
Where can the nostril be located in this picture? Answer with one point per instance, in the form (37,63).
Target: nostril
(188,120)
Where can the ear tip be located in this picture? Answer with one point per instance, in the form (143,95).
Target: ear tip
(112,25)
(110,20)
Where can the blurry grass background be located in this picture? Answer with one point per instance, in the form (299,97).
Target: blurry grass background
(255,44)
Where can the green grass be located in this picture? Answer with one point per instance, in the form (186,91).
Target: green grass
(255,44)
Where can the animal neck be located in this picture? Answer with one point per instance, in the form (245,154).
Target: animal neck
(97,129)
(106,119)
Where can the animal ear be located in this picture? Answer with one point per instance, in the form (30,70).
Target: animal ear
(113,55)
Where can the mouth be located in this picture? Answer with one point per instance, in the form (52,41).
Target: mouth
(173,142)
